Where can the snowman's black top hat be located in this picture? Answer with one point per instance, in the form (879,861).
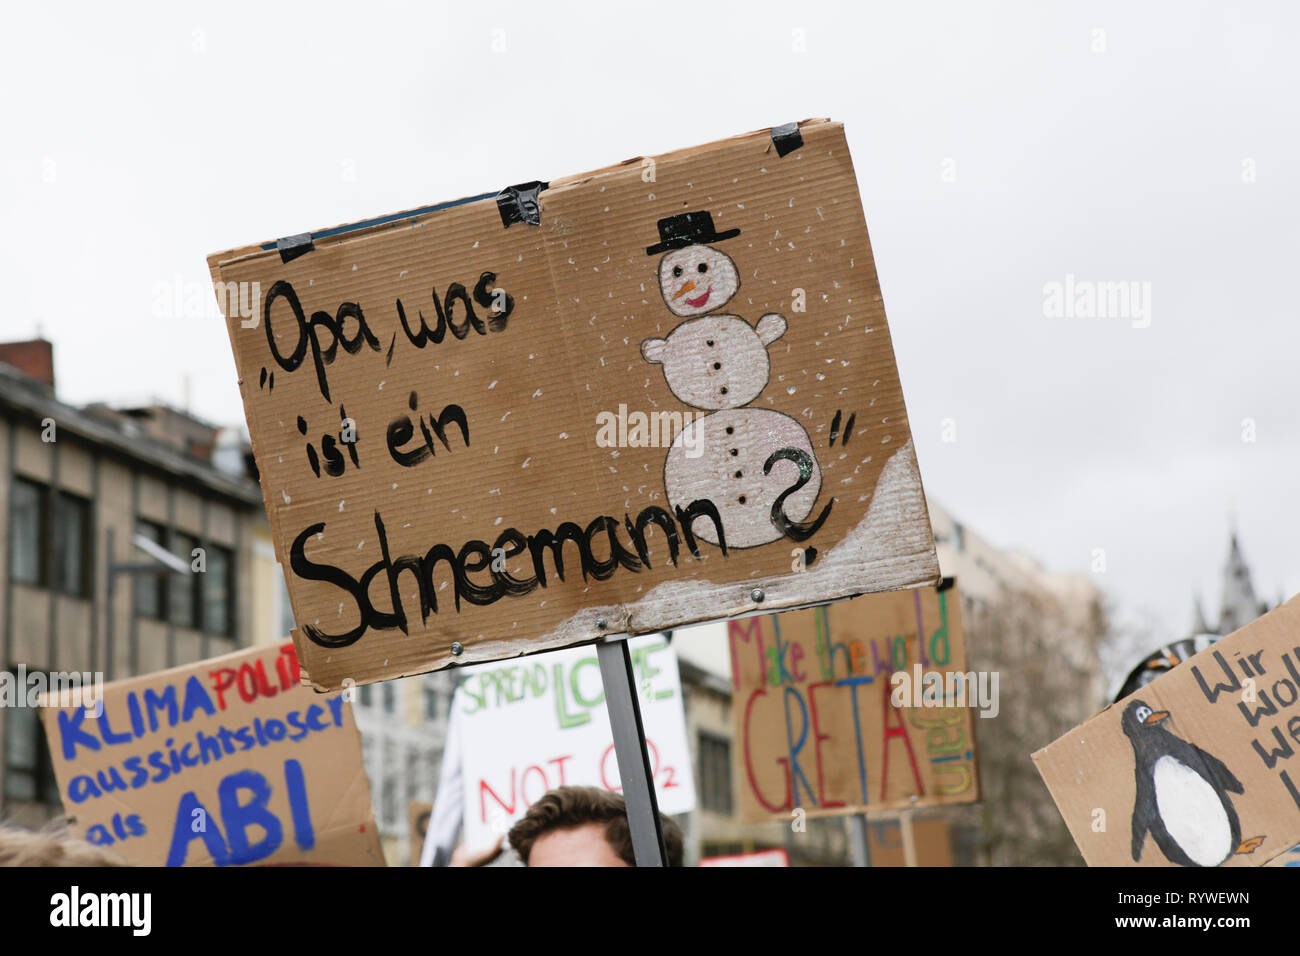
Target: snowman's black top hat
(687,229)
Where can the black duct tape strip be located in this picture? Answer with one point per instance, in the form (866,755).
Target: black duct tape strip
(786,138)
(946,583)
(520,204)
(291,247)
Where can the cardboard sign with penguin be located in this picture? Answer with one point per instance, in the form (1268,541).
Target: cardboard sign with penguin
(635,399)
(1198,767)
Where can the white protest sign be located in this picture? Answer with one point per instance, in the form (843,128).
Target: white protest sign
(540,722)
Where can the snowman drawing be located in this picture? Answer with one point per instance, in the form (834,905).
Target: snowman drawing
(757,465)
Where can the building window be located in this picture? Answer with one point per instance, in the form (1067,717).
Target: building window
(50,540)
(412,772)
(390,698)
(27,537)
(201,600)
(29,771)
(183,589)
(217,587)
(715,774)
(151,589)
(365,695)
(432,703)
(72,544)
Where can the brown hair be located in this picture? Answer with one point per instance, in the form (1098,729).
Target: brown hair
(52,846)
(566,807)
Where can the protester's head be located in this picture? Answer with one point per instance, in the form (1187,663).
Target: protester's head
(53,846)
(583,826)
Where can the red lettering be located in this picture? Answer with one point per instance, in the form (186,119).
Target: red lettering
(286,665)
(484,790)
(899,731)
(247,688)
(749,763)
(559,764)
(818,737)
(263,684)
(604,778)
(222,680)
(735,629)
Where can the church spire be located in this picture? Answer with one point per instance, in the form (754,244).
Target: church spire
(1239,606)
(1199,625)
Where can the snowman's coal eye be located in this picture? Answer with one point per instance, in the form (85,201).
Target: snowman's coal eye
(703,267)
(677,272)
(709,343)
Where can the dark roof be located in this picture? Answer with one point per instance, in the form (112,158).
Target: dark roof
(20,393)
(698,676)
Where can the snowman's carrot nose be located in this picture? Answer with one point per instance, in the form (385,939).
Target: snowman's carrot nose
(684,289)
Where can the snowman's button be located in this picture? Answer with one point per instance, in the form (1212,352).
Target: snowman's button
(741,499)
(735,451)
(739,474)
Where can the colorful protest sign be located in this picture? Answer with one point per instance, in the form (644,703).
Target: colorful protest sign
(532,725)
(1198,767)
(526,420)
(857,705)
(229,761)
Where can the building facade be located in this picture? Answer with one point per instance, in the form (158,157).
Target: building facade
(102,509)
(403,726)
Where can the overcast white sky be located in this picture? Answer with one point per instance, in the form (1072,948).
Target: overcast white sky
(998,147)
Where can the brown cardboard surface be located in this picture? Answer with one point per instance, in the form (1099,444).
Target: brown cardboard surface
(198,765)
(572,343)
(1245,747)
(815,726)
(931,840)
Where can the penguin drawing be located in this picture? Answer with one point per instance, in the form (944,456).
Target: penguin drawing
(1182,795)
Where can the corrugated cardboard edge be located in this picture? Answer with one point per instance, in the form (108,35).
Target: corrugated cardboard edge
(897,503)
(681,603)
(405,219)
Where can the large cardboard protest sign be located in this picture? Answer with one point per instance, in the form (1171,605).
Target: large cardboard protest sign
(1197,768)
(823,725)
(228,761)
(529,726)
(652,395)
